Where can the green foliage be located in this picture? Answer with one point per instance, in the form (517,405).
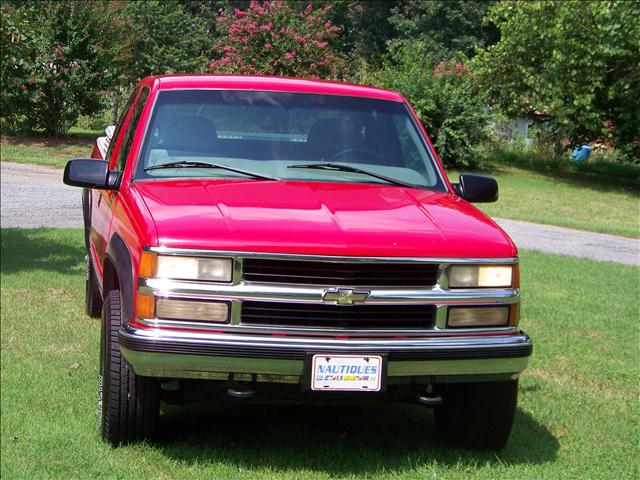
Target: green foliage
(62,59)
(446,26)
(16,66)
(275,38)
(56,63)
(209,9)
(446,98)
(574,60)
(364,28)
(163,37)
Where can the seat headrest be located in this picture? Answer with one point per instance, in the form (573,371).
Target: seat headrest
(189,132)
(332,134)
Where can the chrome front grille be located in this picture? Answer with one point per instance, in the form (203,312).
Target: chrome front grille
(351,274)
(352,317)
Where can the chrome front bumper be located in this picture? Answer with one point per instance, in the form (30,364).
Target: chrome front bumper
(178,354)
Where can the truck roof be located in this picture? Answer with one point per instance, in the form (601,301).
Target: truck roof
(267,83)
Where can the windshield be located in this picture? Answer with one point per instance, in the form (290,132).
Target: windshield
(280,135)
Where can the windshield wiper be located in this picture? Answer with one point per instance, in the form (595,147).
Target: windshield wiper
(338,167)
(192,164)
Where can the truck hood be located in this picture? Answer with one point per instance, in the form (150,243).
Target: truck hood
(320,219)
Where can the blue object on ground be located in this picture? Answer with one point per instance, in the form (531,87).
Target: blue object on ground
(581,154)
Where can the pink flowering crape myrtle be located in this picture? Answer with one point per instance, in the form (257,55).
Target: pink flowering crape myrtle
(277,38)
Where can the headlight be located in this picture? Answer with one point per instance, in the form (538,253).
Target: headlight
(186,268)
(473,276)
(461,317)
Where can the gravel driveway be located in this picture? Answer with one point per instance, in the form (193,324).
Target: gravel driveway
(577,243)
(34,196)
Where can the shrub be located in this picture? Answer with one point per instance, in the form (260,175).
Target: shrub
(56,63)
(446,98)
(272,38)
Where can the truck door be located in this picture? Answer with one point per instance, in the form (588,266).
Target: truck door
(119,162)
(102,200)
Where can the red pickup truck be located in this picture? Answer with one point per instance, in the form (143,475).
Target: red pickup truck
(280,238)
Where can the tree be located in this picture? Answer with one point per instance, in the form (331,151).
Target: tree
(16,65)
(208,9)
(274,38)
(364,28)
(445,96)
(56,63)
(576,61)
(446,26)
(163,37)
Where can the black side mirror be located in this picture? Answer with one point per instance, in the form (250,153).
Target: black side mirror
(90,173)
(477,188)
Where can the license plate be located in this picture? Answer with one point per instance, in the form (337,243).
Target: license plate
(352,373)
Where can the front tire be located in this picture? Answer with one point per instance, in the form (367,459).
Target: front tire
(477,415)
(129,404)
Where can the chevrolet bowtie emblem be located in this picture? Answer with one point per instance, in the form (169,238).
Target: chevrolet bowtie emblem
(345,296)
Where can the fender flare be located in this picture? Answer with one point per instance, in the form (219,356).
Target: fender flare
(120,257)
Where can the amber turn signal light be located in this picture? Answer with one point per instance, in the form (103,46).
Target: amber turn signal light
(145,305)
(515,276)
(148,265)
(514,314)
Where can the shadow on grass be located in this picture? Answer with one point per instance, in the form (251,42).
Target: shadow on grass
(53,250)
(334,441)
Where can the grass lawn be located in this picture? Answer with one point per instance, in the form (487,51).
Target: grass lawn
(572,201)
(578,414)
(46,151)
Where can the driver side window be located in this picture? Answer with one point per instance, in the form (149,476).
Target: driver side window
(121,119)
(129,133)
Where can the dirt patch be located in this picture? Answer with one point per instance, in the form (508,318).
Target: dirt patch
(41,142)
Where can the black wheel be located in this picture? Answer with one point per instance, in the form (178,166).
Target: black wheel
(92,297)
(477,415)
(129,404)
